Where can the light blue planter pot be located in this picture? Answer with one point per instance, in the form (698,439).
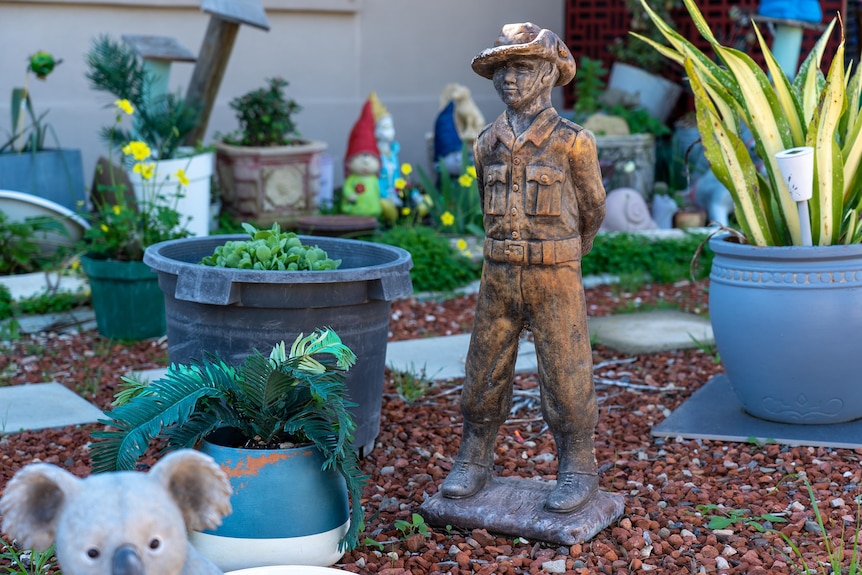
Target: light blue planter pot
(56,175)
(787,322)
(286,510)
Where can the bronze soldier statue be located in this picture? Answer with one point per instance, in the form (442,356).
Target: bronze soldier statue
(543,202)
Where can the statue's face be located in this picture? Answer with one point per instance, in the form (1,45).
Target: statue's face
(385,129)
(521,81)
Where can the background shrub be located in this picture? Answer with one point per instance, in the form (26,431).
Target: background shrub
(664,260)
(437,266)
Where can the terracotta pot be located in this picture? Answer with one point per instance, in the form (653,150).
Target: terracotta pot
(269,184)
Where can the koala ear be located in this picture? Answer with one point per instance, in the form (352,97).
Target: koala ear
(33,501)
(197,484)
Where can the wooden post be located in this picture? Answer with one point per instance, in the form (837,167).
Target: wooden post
(215,52)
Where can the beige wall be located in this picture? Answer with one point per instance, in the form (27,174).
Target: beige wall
(333,53)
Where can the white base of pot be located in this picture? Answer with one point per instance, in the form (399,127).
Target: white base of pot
(232,553)
(287,570)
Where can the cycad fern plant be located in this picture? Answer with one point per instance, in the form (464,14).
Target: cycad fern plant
(296,396)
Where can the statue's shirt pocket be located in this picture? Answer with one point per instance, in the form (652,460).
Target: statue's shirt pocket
(544,190)
(495,189)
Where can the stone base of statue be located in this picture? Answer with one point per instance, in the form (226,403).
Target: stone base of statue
(513,506)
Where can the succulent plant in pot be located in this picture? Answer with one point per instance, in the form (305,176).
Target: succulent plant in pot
(288,408)
(267,171)
(784,315)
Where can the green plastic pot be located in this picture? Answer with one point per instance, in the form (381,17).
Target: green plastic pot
(126,299)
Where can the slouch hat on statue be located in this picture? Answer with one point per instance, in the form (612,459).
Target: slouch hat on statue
(526,40)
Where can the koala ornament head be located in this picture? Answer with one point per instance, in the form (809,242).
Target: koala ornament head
(122,523)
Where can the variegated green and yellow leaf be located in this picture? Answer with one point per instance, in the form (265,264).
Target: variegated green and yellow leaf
(784,93)
(731,164)
(827,203)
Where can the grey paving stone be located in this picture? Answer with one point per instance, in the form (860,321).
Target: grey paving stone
(41,406)
(652,331)
(713,412)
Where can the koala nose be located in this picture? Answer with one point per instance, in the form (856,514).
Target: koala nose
(127,562)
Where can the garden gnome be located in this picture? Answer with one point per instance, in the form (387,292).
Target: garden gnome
(122,522)
(447,143)
(389,148)
(543,202)
(361,193)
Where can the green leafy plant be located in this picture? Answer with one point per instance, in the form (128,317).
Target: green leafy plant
(823,113)
(121,227)
(721,517)
(436,265)
(270,249)
(6,305)
(665,260)
(19,251)
(19,561)
(162,121)
(416,526)
(589,86)
(455,206)
(265,117)
(50,301)
(836,551)
(30,137)
(636,53)
(295,394)
(411,384)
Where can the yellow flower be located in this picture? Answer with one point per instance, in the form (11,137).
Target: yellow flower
(406,169)
(461,244)
(80,203)
(125,106)
(137,149)
(181,176)
(400,183)
(146,170)
(465,180)
(471,171)
(104,228)
(405,211)
(447,219)
(117,209)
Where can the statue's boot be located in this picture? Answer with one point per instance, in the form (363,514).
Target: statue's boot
(573,491)
(577,479)
(472,467)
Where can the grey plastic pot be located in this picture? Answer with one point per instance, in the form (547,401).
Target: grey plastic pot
(786,322)
(232,312)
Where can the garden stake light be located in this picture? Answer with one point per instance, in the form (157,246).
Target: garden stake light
(797,168)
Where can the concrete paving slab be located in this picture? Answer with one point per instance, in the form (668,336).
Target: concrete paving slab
(651,331)
(43,405)
(444,357)
(714,412)
(79,319)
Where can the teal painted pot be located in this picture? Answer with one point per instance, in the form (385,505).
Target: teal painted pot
(286,509)
(127,300)
(786,322)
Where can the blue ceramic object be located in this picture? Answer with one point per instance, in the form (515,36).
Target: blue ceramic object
(286,509)
(786,322)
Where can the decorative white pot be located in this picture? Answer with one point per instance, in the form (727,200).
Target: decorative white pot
(193,201)
(657,95)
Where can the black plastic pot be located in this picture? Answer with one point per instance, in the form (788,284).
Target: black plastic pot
(231,312)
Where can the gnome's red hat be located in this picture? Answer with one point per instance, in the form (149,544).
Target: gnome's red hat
(362,140)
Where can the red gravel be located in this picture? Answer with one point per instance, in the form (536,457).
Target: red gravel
(670,486)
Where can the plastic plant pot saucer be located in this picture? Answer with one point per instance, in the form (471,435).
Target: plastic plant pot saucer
(19,206)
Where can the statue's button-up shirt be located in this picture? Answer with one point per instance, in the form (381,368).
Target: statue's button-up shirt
(542,185)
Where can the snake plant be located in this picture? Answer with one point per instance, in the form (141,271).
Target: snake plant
(296,395)
(812,110)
